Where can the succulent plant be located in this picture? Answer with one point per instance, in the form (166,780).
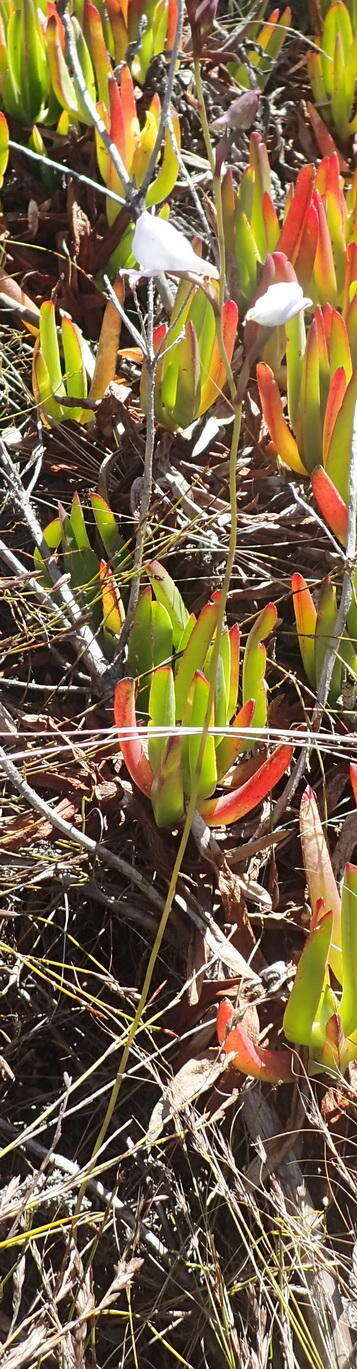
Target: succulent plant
(176,696)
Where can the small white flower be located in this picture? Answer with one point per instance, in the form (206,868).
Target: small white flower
(158,246)
(279,303)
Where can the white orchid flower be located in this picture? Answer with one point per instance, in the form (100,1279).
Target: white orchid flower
(279,303)
(158,246)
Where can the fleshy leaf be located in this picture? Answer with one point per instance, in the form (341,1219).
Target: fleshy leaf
(283,439)
(324,633)
(330,504)
(167,794)
(230,747)
(335,398)
(233,806)
(292,229)
(319,873)
(348,1006)
(305,618)
(167,594)
(258,1062)
(208,775)
(113,608)
(107,350)
(162,712)
(195,652)
(130,745)
(338,459)
(106,523)
(309,980)
(254,663)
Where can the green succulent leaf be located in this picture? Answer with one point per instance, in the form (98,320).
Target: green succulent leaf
(208,771)
(75,374)
(348,1007)
(167,794)
(167,594)
(254,664)
(302,1007)
(161,712)
(195,652)
(325,624)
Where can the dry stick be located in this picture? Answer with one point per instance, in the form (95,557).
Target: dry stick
(216,940)
(68,171)
(72,1171)
(85,641)
(335,639)
(93,848)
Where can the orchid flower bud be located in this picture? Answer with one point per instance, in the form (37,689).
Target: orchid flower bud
(241,114)
(201,14)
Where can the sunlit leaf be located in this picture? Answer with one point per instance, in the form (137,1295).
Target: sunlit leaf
(130,744)
(308,984)
(233,806)
(319,873)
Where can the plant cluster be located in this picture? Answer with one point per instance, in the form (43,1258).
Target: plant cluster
(317,233)
(99,581)
(191,724)
(332,67)
(318,1016)
(177,697)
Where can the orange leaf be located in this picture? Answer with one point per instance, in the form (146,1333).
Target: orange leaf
(330,504)
(325,142)
(305,618)
(324,269)
(125,717)
(292,229)
(215,380)
(113,608)
(283,439)
(107,350)
(256,1061)
(224,1017)
(304,262)
(233,806)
